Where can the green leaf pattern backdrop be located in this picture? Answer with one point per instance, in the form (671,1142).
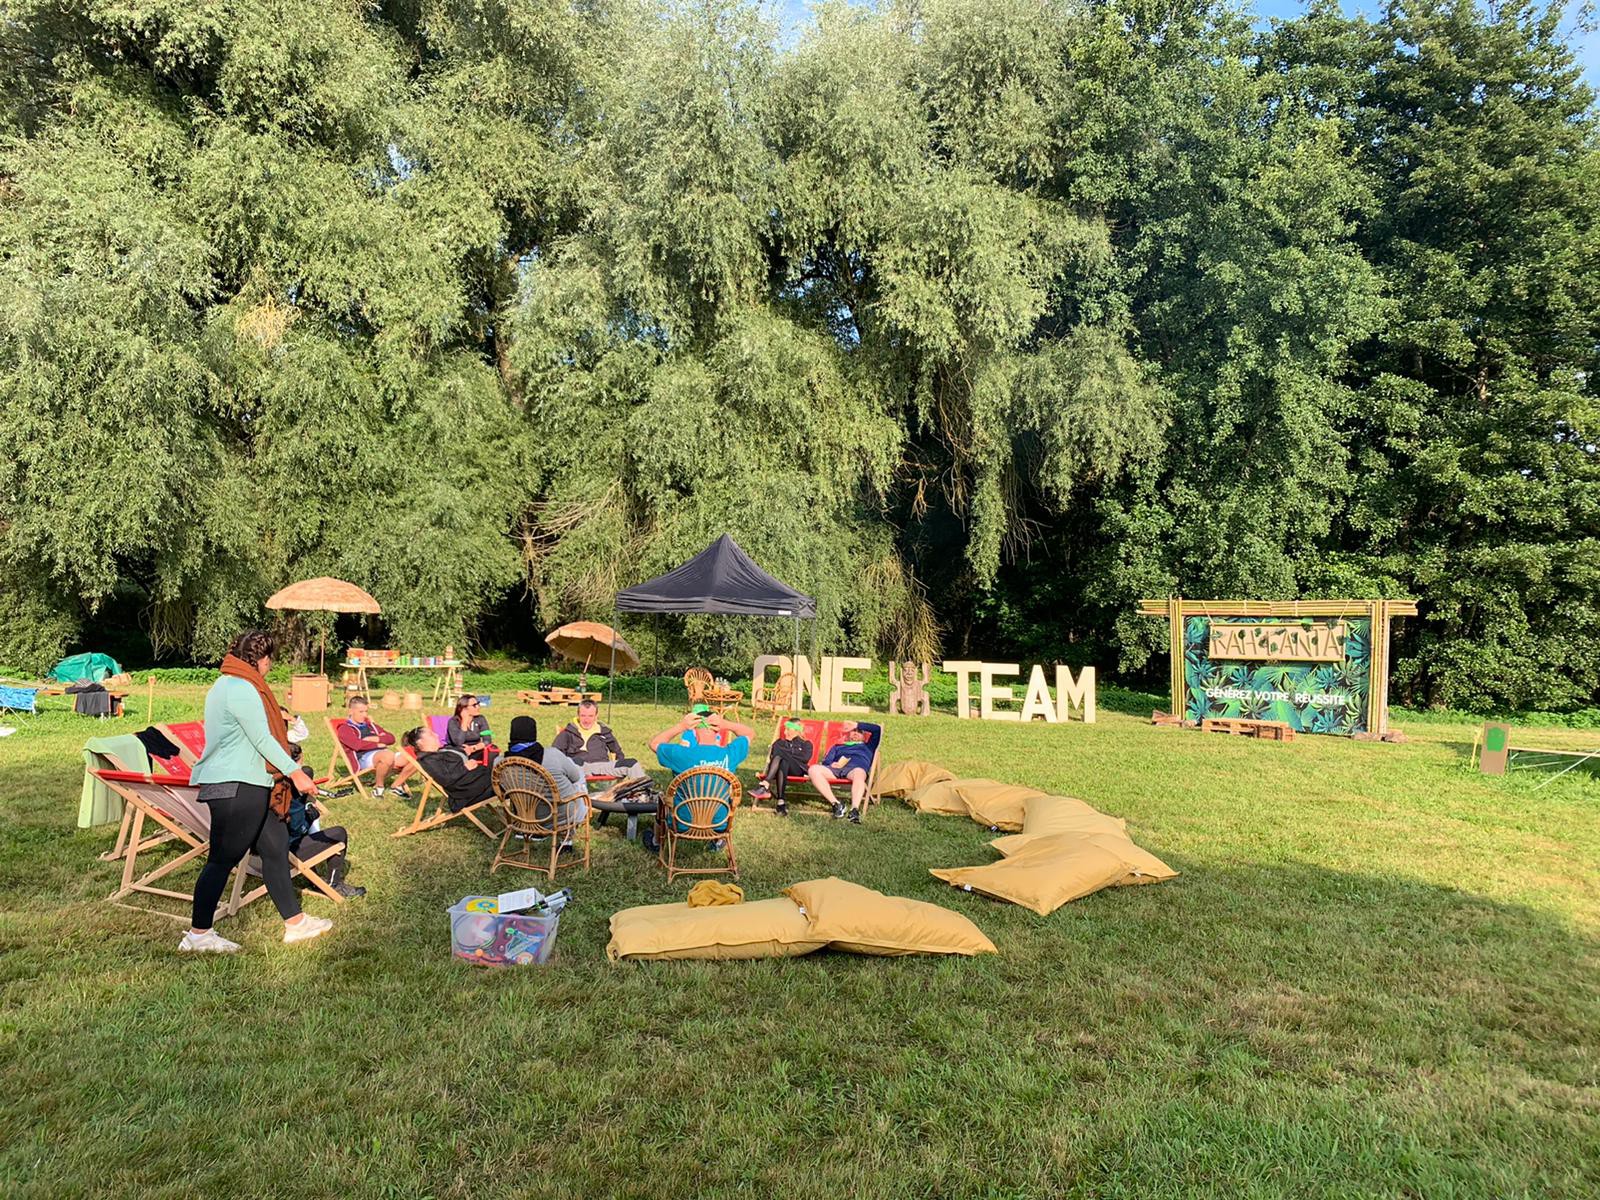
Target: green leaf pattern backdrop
(1327,697)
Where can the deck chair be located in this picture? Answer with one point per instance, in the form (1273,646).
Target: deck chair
(531,803)
(342,770)
(15,698)
(184,824)
(698,808)
(433,792)
(777,701)
(189,737)
(821,735)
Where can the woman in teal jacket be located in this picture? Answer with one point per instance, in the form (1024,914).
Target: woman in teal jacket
(245,736)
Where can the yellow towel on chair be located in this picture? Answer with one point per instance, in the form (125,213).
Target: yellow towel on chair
(710,892)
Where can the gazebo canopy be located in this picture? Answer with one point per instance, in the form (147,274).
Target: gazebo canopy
(722,578)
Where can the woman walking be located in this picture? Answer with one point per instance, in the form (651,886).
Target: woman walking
(246,776)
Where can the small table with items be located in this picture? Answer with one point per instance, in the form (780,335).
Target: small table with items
(723,700)
(556,695)
(448,670)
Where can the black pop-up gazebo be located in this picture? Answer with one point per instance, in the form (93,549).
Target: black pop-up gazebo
(723,579)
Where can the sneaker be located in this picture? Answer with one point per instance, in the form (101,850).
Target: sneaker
(377,791)
(307,928)
(838,810)
(403,792)
(855,816)
(783,809)
(348,891)
(760,792)
(208,942)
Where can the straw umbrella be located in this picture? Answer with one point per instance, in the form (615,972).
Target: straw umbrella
(323,595)
(588,640)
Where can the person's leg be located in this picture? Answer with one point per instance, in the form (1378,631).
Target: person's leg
(822,779)
(382,764)
(858,788)
(233,827)
(271,843)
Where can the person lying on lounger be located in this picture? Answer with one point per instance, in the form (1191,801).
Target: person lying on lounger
(464,778)
(788,755)
(848,758)
(696,741)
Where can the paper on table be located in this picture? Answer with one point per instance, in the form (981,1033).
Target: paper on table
(517,901)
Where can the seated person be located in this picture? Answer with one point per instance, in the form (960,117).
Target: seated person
(571,782)
(593,746)
(696,741)
(466,781)
(368,744)
(308,838)
(788,755)
(848,758)
(468,728)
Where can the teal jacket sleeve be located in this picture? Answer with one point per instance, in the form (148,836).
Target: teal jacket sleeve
(252,719)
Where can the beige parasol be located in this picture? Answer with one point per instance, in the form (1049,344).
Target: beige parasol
(590,641)
(323,595)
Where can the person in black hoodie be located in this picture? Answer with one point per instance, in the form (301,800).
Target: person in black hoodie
(466,781)
(788,755)
(593,746)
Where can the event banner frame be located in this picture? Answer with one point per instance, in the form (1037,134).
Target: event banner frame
(1322,666)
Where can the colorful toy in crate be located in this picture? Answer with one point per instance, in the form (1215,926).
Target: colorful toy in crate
(483,935)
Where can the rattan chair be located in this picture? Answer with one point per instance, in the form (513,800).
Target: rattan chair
(532,807)
(698,808)
(698,680)
(777,701)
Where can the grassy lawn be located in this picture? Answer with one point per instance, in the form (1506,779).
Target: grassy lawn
(1376,976)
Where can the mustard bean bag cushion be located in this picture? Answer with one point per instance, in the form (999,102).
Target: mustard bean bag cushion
(761,929)
(940,796)
(1045,874)
(896,779)
(1081,824)
(997,805)
(1143,867)
(861,921)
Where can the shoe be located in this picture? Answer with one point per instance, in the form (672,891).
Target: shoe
(403,792)
(717,845)
(208,942)
(348,891)
(564,848)
(377,791)
(838,810)
(647,839)
(783,809)
(855,816)
(308,928)
(759,794)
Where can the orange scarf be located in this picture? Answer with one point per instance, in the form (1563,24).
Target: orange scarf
(282,789)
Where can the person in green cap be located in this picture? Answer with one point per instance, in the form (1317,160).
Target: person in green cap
(848,760)
(702,738)
(788,755)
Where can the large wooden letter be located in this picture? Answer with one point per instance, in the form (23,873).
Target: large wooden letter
(806,683)
(962,669)
(842,687)
(1080,694)
(1038,702)
(989,691)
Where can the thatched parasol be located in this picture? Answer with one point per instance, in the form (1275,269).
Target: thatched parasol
(590,640)
(323,595)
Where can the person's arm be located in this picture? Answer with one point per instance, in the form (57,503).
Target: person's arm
(454,735)
(354,742)
(609,740)
(566,741)
(672,734)
(738,730)
(252,719)
(381,736)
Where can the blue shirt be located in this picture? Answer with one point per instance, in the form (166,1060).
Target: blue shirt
(857,755)
(684,753)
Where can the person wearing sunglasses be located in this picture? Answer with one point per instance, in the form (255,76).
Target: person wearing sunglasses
(468,729)
(788,755)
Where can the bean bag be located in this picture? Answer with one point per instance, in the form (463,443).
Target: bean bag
(1143,867)
(1059,814)
(762,929)
(896,779)
(995,804)
(861,921)
(1083,824)
(938,797)
(1045,874)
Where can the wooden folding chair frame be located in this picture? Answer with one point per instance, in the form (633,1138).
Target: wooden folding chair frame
(531,827)
(155,798)
(819,732)
(442,814)
(341,761)
(668,835)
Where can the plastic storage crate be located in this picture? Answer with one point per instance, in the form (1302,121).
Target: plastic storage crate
(482,935)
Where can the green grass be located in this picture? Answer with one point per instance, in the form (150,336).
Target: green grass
(1376,976)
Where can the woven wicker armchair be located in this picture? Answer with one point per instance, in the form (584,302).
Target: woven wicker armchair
(698,808)
(531,804)
(698,680)
(777,701)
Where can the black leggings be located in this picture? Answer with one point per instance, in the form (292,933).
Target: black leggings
(239,825)
(778,771)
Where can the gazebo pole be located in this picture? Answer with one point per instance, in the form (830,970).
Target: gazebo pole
(657,672)
(611,676)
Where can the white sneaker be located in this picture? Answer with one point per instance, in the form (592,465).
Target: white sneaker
(306,928)
(210,940)
(377,791)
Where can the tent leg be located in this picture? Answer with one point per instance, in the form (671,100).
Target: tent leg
(611,676)
(658,660)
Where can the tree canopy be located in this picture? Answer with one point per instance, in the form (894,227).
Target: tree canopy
(976,319)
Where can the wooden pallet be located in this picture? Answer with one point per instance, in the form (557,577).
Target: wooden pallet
(1272,731)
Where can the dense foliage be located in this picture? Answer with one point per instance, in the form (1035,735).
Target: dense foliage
(980,319)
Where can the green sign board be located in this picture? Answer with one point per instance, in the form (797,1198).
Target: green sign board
(1312,697)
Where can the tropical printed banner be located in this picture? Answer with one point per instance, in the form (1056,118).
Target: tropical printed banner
(1328,697)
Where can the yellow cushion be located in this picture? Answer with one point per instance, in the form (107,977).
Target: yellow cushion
(862,921)
(1059,814)
(997,805)
(762,929)
(1143,867)
(940,796)
(1079,823)
(1045,874)
(896,779)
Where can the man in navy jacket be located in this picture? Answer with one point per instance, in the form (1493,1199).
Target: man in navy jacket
(848,758)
